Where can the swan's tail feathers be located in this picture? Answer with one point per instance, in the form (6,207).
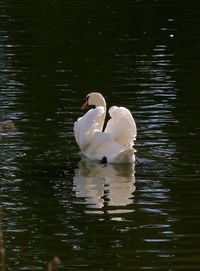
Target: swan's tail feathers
(126,156)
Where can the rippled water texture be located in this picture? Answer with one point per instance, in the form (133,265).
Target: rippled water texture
(140,54)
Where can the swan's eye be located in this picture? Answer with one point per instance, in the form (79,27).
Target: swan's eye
(87,98)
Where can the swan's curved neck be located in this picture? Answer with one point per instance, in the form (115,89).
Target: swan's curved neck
(101,102)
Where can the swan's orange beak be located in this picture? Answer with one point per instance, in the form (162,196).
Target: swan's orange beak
(84,105)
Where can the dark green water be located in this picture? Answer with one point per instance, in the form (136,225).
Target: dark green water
(140,54)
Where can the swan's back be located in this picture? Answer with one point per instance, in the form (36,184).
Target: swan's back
(121,126)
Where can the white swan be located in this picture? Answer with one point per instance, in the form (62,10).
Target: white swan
(115,143)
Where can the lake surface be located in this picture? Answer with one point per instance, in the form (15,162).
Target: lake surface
(140,54)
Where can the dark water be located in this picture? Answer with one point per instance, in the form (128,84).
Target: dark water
(140,54)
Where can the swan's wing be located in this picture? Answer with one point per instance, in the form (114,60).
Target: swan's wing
(121,126)
(85,126)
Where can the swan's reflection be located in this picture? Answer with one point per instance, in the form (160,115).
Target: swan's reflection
(100,185)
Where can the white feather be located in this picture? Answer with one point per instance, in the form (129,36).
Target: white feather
(85,126)
(121,126)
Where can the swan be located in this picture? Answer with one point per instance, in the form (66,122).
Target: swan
(114,144)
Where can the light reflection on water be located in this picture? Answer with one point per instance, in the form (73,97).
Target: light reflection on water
(100,185)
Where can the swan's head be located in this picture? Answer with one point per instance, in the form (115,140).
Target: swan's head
(94,98)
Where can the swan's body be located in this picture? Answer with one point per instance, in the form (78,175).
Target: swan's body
(115,143)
